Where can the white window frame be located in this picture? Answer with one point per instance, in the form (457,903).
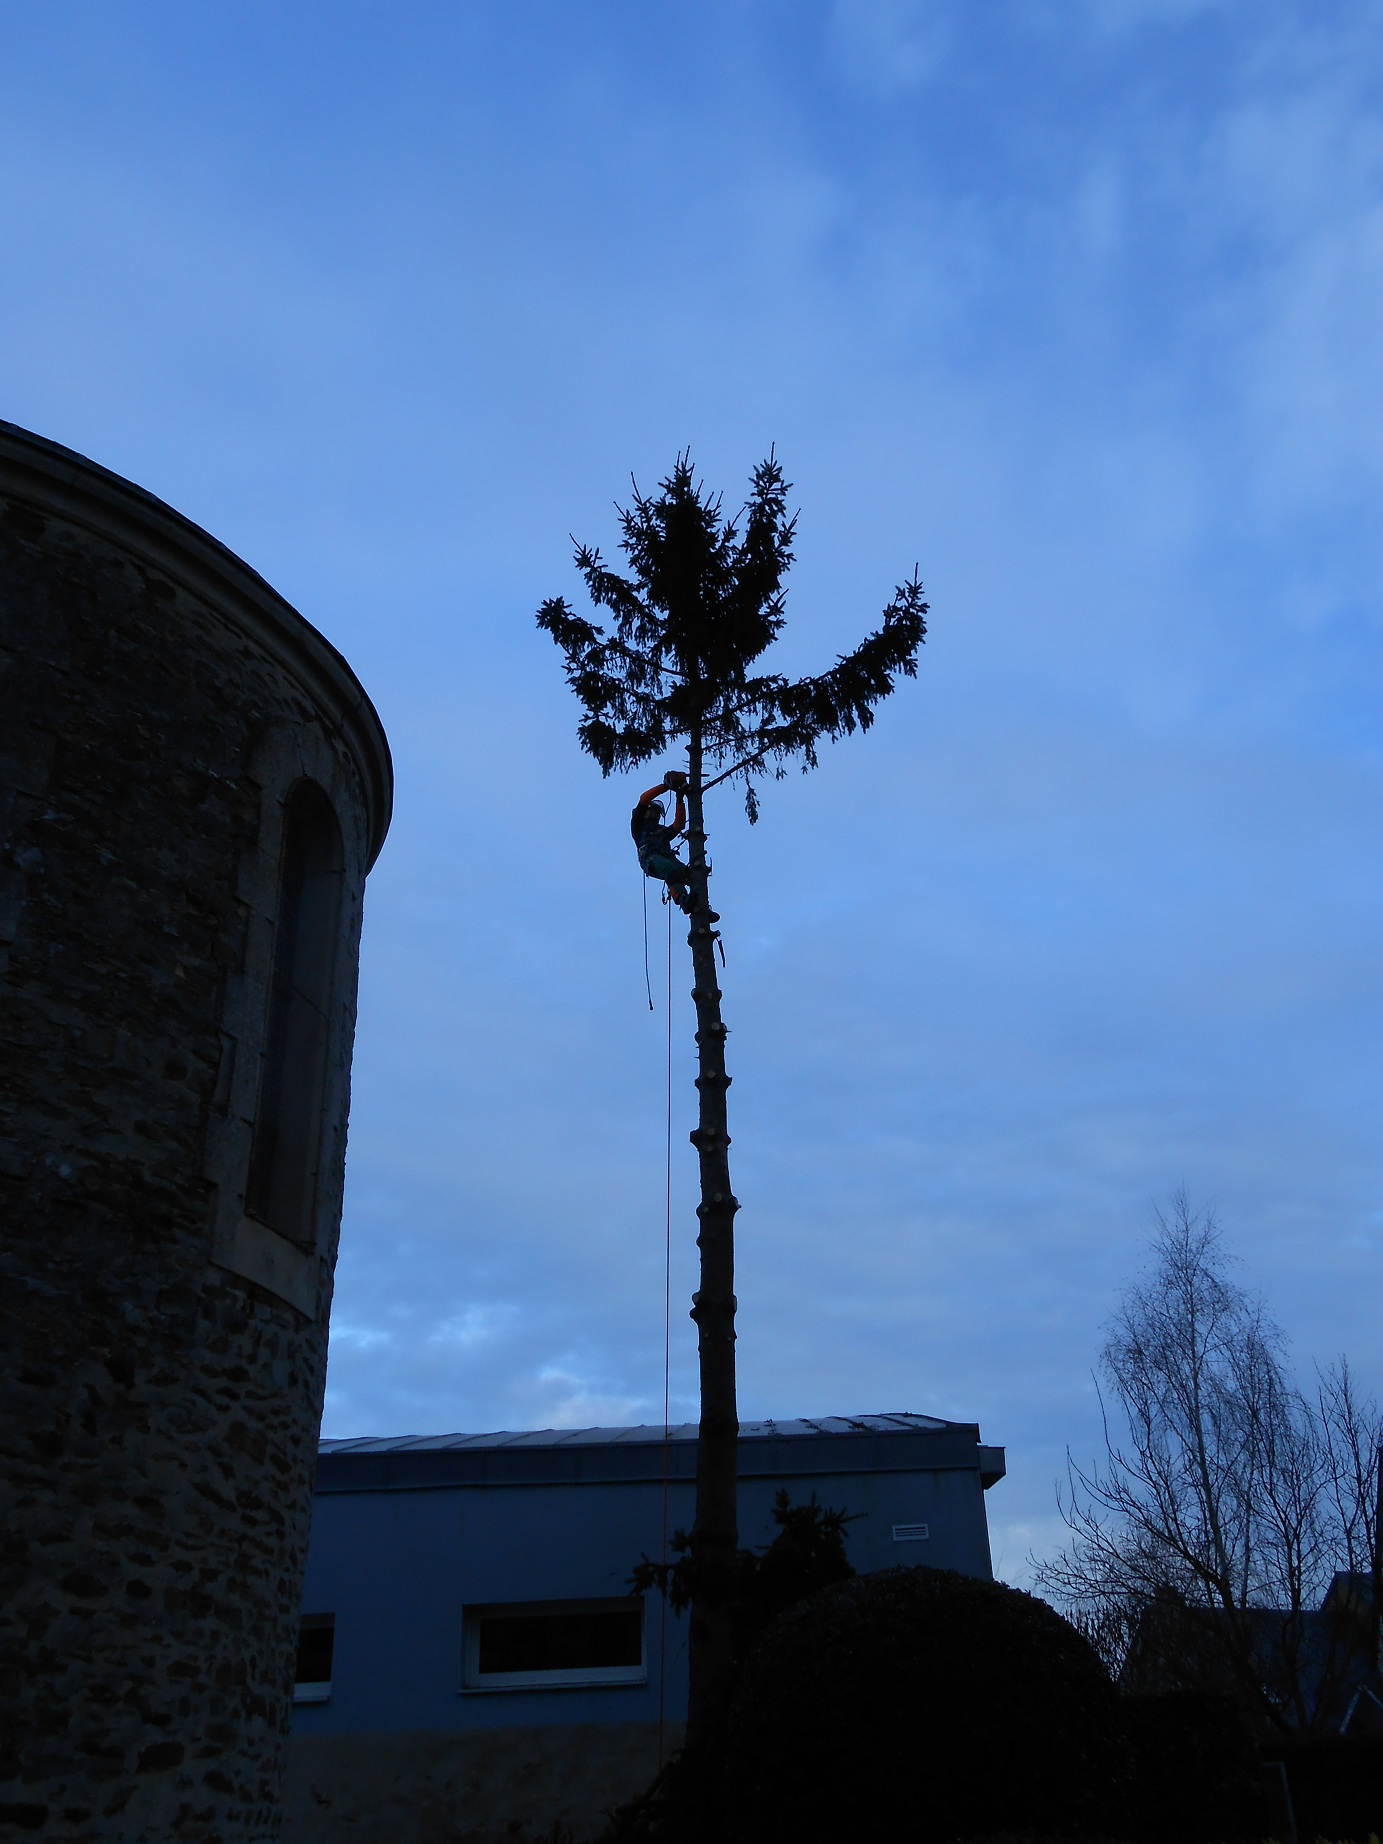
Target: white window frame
(316,1690)
(587,1676)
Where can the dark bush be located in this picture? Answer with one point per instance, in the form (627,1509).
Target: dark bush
(685,1804)
(807,1554)
(921,1705)
(1337,1785)
(1197,1775)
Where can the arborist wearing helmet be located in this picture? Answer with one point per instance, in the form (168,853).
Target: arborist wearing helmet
(653,838)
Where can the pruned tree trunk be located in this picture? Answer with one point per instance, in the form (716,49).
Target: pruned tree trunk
(681,660)
(715,1532)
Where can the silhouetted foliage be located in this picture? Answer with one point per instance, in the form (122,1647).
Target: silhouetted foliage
(1196,1772)
(808,1553)
(1337,1785)
(685,1804)
(703,603)
(926,1706)
(923,1704)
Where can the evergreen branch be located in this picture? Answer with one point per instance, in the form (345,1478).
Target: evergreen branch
(838,702)
(738,769)
(832,704)
(581,639)
(704,601)
(572,632)
(621,746)
(605,588)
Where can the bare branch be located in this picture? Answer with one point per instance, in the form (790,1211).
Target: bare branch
(1202,1549)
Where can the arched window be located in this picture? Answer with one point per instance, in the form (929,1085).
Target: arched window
(285,1152)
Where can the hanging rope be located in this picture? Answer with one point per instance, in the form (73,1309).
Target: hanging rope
(647,982)
(667,1342)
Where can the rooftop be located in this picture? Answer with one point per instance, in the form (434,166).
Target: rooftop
(897,1442)
(644,1434)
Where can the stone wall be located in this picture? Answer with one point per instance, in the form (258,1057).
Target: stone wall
(161,1356)
(472,1786)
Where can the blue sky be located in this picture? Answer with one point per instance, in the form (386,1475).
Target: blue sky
(1073,303)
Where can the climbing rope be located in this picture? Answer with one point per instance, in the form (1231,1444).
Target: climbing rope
(667,1333)
(667,1298)
(648,984)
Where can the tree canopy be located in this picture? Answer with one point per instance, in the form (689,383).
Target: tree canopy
(702,603)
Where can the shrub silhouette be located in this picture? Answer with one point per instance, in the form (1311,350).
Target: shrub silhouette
(927,1706)
(808,1553)
(685,1804)
(1214,1792)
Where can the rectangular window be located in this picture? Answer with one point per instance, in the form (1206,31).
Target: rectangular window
(316,1643)
(910,1533)
(554,1643)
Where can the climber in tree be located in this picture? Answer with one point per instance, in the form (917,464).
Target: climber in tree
(681,663)
(653,837)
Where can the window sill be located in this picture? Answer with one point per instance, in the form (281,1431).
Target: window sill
(262,1255)
(312,1693)
(555,1680)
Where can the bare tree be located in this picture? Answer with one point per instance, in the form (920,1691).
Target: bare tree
(1229,1502)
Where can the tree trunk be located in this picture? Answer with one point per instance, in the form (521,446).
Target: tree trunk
(715,1531)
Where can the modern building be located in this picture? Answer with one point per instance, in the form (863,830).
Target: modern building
(193,785)
(470,1648)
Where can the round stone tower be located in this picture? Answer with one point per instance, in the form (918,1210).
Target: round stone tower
(193,786)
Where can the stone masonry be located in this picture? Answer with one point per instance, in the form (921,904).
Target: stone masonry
(161,1353)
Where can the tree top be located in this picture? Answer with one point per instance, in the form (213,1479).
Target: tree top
(702,603)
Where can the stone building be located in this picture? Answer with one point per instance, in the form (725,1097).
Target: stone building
(193,786)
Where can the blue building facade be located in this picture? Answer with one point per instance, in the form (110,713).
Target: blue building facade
(470,1585)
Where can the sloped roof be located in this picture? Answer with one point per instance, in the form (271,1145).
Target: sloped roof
(643,1434)
(831,1444)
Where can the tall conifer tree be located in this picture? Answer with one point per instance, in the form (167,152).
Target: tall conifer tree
(675,664)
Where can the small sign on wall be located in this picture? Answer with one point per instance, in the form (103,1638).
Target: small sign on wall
(911,1533)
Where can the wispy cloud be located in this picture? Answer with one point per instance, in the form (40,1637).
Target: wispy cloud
(1076,307)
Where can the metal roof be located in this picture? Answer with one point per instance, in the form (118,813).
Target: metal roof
(827,1445)
(645,1434)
